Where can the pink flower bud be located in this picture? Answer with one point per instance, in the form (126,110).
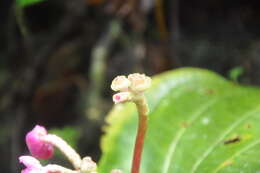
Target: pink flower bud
(38,148)
(32,165)
(121,97)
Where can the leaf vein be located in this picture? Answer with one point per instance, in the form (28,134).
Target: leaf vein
(226,132)
(237,154)
(180,133)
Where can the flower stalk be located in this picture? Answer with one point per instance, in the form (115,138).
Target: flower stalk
(66,149)
(141,132)
(132,89)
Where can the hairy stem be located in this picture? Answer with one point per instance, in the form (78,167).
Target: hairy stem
(51,168)
(141,131)
(67,150)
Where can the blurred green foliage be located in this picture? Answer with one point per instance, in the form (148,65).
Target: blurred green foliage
(235,73)
(25,3)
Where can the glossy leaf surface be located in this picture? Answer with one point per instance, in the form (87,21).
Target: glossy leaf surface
(198,123)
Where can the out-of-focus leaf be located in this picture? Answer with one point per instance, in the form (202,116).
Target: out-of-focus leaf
(25,3)
(198,123)
(235,73)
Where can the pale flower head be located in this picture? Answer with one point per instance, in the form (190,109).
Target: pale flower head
(139,82)
(36,145)
(88,165)
(122,97)
(120,83)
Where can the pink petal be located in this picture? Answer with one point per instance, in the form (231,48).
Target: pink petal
(36,145)
(29,161)
(32,164)
(121,97)
(31,170)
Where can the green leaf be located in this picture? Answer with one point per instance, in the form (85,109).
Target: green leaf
(198,123)
(25,3)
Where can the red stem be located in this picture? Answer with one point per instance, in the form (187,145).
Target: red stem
(139,142)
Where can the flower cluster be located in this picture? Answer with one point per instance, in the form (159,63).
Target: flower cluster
(130,87)
(41,146)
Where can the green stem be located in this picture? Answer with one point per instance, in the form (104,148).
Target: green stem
(21,23)
(141,131)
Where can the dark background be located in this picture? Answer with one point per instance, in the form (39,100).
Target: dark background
(58,57)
